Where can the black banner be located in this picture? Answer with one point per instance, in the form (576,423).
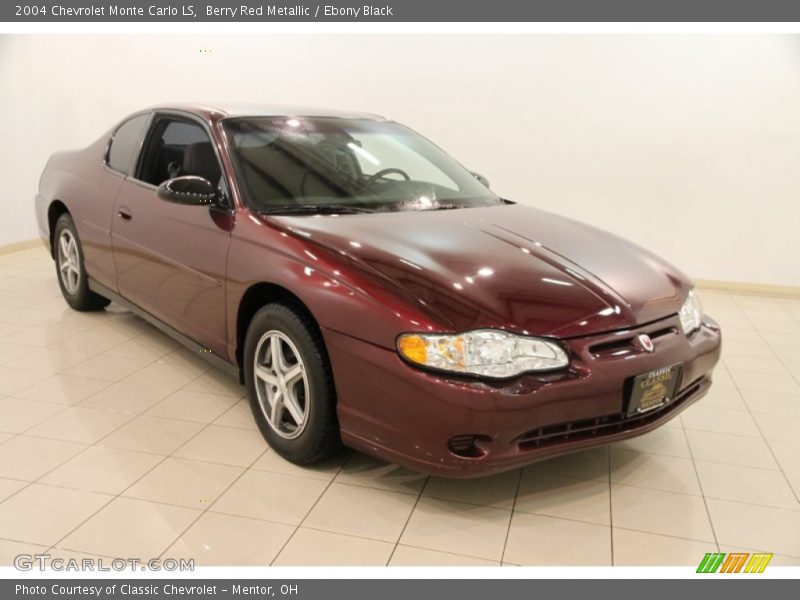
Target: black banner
(401,11)
(737,588)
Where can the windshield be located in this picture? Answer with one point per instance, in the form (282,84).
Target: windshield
(311,165)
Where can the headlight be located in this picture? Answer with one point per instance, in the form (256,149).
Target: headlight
(691,313)
(486,352)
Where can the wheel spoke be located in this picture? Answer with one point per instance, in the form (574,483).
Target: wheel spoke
(276,353)
(293,406)
(276,408)
(266,375)
(292,374)
(64,243)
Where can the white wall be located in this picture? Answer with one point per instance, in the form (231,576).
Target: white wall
(689,145)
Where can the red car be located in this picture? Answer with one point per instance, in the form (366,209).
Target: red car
(370,291)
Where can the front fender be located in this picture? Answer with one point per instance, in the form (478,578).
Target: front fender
(341,296)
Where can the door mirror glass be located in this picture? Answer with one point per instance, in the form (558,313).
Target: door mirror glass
(188,189)
(481,178)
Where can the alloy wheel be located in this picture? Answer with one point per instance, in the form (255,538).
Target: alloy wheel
(281,384)
(68,262)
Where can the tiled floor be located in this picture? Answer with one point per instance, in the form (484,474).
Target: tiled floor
(115,442)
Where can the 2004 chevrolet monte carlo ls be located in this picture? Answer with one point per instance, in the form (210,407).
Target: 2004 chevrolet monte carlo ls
(372,292)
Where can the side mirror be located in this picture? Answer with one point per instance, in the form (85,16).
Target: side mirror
(188,189)
(481,178)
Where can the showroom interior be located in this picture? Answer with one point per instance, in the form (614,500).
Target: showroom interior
(117,441)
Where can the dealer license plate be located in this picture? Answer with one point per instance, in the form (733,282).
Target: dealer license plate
(653,390)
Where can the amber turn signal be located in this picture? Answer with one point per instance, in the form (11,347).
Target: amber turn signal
(413,348)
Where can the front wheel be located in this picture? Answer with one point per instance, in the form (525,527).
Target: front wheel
(290,385)
(70,268)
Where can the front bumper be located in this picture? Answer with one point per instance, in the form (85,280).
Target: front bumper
(411,417)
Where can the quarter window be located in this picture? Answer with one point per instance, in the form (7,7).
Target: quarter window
(125,143)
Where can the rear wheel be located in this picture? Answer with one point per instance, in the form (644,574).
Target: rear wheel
(70,268)
(290,386)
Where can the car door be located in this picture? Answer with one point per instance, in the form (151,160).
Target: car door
(171,258)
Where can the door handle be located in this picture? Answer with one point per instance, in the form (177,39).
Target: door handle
(125,214)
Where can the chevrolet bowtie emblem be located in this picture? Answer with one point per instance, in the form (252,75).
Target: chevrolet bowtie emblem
(645,342)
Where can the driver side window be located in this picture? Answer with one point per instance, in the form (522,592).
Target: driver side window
(177,147)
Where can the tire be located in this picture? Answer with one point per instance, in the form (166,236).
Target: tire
(70,269)
(303,428)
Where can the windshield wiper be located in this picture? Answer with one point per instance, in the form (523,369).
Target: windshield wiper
(317,209)
(443,207)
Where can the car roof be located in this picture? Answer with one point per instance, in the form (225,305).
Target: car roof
(223,110)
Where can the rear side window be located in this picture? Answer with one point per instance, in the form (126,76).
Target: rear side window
(125,143)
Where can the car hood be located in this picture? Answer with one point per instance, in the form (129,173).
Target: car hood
(508,266)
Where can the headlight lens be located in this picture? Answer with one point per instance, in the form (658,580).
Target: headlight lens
(691,313)
(486,352)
